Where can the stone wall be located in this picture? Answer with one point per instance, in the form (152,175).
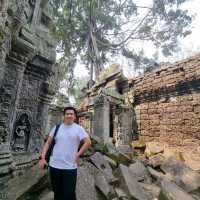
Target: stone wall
(55,116)
(28,80)
(167,103)
(55,112)
(123,123)
(102,117)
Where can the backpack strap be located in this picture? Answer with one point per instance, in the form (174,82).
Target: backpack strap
(56,130)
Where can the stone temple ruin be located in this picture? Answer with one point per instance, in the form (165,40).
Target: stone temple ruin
(106,112)
(162,106)
(27,81)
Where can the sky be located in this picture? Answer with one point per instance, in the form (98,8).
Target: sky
(190,45)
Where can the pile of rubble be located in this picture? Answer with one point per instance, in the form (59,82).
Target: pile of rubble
(118,175)
(109,173)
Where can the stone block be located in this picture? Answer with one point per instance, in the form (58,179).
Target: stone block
(143,106)
(130,185)
(121,194)
(138,144)
(170,191)
(156,160)
(144,116)
(144,125)
(188,115)
(144,132)
(192,159)
(119,157)
(85,189)
(140,172)
(154,122)
(19,185)
(143,111)
(197,109)
(103,165)
(184,176)
(102,184)
(153,148)
(154,117)
(157,175)
(151,190)
(112,163)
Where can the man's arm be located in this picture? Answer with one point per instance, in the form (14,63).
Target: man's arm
(86,144)
(43,162)
(46,147)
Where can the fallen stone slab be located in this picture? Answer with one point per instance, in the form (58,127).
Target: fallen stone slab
(125,149)
(151,190)
(153,148)
(112,163)
(139,144)
(130,185)
(183,176)
(103,186)
(192,160)
(19,185)
(173,152)
(117,155)
(142,159)
(120,193)
(156,160)
(157,175)
(99,161)
(170,191)
(85,189)
(140,172)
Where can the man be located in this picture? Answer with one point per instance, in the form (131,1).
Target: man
(65,156)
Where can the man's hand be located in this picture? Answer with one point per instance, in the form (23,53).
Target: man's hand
(77,159)
(43,163)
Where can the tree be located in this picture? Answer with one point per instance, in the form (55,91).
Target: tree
(93,30)
(77,93)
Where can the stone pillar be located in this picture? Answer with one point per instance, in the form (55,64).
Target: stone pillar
(102,117)
(55,116)
(10,88)
(43,111)
(5,100)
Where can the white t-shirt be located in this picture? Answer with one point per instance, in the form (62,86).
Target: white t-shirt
(67,141)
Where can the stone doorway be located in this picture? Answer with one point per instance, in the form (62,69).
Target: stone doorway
(111,124)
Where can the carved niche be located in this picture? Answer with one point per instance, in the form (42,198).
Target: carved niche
(21,134)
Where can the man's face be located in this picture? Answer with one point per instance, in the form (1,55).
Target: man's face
(69,116)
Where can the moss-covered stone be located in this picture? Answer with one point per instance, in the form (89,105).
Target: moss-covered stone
(139,144)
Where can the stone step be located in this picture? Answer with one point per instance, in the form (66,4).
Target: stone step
(19,185)
(5,161)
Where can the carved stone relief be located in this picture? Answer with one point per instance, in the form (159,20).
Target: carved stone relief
(21,134)
(27,72)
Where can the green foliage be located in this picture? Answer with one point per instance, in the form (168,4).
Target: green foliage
(94,29)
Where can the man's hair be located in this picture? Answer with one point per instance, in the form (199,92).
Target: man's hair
(70,108)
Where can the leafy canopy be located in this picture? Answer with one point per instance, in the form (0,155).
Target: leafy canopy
(92,31)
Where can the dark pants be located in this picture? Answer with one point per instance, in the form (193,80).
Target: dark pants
(63,183)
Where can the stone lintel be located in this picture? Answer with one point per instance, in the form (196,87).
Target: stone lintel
(46,99)
(40,65)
